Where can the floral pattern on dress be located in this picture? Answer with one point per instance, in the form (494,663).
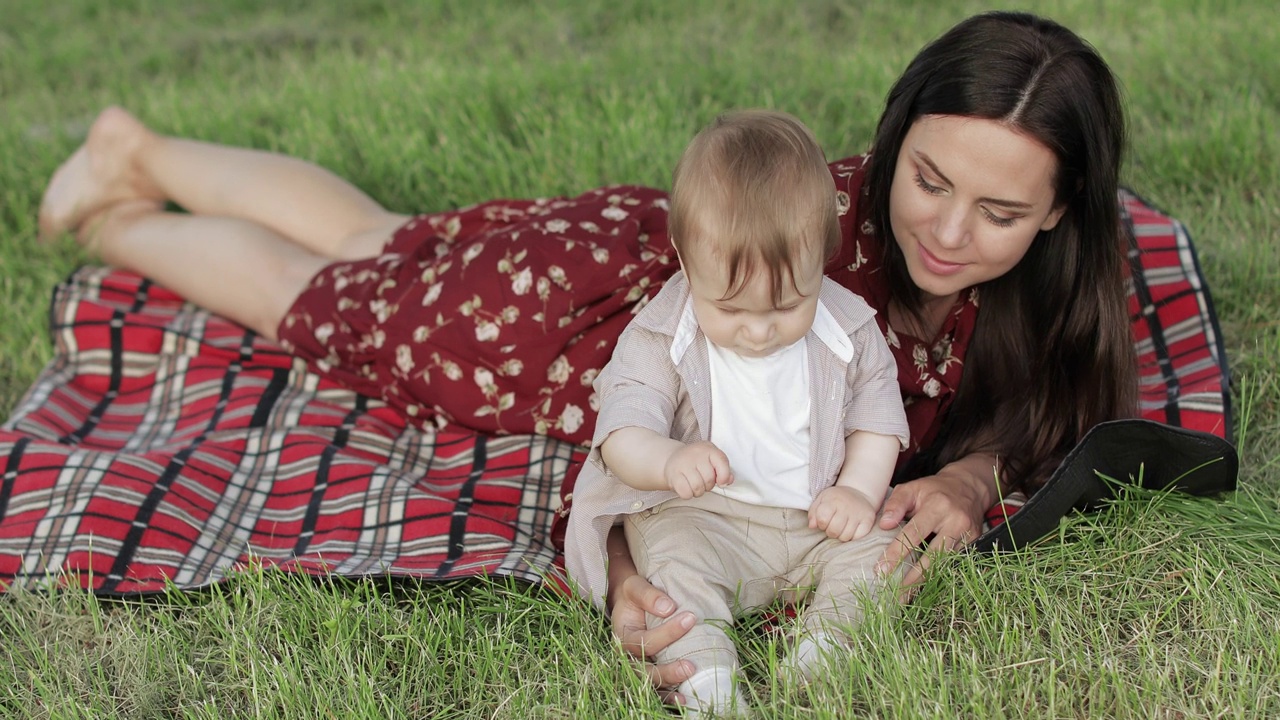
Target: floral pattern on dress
(929,369)
(497,316)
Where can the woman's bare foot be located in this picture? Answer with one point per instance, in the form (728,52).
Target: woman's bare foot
(99,174)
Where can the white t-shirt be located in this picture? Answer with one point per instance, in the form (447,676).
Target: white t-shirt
(760,419)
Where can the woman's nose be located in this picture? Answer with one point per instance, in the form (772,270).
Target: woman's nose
(952,227)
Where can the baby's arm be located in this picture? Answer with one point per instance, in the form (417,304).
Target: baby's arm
(847,510)
(646,460)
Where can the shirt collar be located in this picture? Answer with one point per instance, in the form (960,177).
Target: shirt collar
(825,327)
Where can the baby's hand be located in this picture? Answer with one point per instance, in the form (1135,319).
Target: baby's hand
(844,513)
(696,468)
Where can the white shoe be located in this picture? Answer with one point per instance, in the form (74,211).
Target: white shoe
(811,657)
(713,692)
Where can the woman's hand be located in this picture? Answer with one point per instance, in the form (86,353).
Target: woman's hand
(944,510)
(630,597)
(636,597)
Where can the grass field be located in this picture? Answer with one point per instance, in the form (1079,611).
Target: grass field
(1158,606)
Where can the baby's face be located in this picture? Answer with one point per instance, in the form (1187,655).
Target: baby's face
(749,323)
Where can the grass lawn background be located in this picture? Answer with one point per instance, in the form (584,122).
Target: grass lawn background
(1159,606)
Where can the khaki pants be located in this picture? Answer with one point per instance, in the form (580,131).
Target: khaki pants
(719,558)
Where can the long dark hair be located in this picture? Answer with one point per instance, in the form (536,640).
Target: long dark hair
(1052,352)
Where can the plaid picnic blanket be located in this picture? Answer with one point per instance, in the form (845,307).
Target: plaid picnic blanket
(164,446)
(1184,376)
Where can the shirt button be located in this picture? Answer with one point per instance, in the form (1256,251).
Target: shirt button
(637,505)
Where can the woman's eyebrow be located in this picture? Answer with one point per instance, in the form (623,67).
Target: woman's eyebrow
(1011,204)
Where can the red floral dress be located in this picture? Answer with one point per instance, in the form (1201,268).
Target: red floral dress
(928,371)
(498,316)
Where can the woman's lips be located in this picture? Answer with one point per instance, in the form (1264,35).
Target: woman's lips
(936,266)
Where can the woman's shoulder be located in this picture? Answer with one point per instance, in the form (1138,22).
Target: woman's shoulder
(857,263)
(848,173)
(851,164)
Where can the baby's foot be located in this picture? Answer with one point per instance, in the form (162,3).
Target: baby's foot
(97,175)
(713,692)
(809,658)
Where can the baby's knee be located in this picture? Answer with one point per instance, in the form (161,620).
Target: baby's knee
(708,598)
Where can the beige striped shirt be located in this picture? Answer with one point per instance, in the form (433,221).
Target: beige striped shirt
(647,385)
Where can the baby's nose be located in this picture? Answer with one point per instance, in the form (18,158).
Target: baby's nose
(759,331)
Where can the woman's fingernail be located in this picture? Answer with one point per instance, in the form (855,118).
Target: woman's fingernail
(664,606)
(686,621)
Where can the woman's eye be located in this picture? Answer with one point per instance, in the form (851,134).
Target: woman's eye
(999,221)
(925,186)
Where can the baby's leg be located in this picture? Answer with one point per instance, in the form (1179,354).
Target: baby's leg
(122,160)
(694,557)
(846,583)
(236,268)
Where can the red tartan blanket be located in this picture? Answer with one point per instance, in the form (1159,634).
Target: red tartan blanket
(164,445)
(1184,377)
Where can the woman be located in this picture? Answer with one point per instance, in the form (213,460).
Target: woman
(983,228)
(994,168)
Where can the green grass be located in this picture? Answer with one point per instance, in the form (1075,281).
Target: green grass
(1158,606)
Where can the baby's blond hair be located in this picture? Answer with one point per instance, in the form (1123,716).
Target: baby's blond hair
(754,184)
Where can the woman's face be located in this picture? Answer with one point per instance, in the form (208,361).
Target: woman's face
(969,196)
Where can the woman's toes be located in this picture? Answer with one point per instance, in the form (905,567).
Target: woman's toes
(98,174)
(60,205)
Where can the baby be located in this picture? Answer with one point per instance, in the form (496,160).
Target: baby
(750,417)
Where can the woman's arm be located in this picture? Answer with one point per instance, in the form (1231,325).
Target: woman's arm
(945,510)
(629,598)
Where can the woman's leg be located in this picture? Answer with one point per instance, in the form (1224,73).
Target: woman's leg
(236,268)
(123,160)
